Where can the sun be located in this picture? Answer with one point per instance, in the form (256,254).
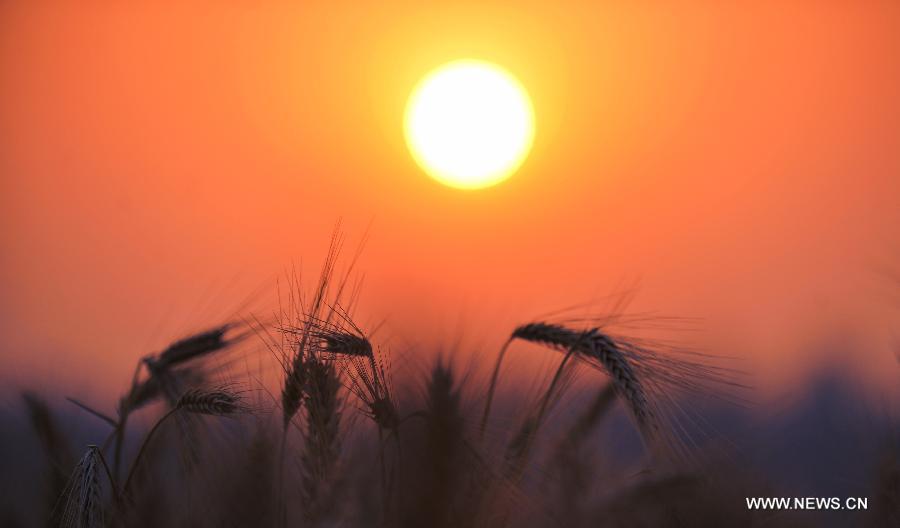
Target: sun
(469,124)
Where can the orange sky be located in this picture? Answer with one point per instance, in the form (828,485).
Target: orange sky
(743,162)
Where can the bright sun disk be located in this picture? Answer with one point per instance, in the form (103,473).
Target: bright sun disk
(469,124)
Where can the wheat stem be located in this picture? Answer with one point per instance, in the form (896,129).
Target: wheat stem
(137,458)
(492,387)
(553,383)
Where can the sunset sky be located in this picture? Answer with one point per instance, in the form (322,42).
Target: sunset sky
(161,165)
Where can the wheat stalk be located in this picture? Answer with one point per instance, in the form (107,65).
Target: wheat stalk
(520,447)
(216,402)
(165,379)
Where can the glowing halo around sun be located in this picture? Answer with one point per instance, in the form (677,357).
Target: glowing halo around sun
(469,124)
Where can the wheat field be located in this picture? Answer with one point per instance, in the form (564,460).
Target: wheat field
(348,439)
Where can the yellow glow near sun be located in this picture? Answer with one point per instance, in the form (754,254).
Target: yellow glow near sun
(469,124)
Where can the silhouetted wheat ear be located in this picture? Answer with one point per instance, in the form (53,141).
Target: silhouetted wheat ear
(368,381)
(437,492)
(292,391)
(444,420)
(345,343)
(322,441)
(552,335)
(217,402)
(593,345)
(83,506)
(383,413)
(192,347)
